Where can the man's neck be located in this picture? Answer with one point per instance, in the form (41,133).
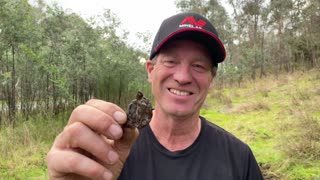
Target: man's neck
(173,133)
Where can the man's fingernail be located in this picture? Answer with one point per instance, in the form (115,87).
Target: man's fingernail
(120,117)
(115,131)
(107,175)
(113,156)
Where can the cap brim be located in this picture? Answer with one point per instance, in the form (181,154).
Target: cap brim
(210,40)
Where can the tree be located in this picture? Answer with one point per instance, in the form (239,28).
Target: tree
(17,26)
(280,11)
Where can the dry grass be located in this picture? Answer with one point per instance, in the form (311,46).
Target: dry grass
(221,98)
(249,107)
(280,118)
(24,147)
(302,139)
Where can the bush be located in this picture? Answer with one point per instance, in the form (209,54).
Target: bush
(304,139)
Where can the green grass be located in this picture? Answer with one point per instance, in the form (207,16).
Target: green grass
(23,148)
(274,117)
(278,118)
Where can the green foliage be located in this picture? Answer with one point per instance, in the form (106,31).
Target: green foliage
(53,60)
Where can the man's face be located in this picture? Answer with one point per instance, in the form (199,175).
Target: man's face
(181,78)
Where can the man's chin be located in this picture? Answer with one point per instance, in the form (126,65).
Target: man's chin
(181,113)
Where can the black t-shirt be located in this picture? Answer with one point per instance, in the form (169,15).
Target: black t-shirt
(215,154)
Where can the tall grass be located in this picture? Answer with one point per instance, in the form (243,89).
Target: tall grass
(279,118)
(23,148)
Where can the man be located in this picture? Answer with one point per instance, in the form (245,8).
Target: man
(178,143)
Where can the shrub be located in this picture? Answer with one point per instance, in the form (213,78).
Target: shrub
(304,139)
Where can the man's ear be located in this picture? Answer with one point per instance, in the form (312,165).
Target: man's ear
(149,68)
(211,85)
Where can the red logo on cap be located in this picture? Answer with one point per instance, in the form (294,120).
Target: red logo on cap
(190,21)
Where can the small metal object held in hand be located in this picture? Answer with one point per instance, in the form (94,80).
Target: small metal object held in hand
(139,112)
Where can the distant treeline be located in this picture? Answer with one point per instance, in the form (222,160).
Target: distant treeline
(52,60)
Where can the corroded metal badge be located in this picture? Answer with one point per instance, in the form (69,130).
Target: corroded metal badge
(139,112)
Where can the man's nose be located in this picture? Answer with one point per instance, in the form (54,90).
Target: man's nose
(182,74)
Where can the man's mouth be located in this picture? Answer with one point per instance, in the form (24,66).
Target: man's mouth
(179,93)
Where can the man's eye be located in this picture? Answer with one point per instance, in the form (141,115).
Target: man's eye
(169,63)
(200,67)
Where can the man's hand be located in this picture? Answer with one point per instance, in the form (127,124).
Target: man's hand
(93,145)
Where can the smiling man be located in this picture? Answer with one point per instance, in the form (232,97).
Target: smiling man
(178,143)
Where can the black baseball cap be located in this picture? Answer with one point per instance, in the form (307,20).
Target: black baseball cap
(190,26)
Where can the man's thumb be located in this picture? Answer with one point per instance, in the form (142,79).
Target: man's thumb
(123,145)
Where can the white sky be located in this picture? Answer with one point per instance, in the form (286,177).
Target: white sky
(135,15)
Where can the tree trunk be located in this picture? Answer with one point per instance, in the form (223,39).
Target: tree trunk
(55,98)
(262,69)
(120,88)
(280,44)
(12,108)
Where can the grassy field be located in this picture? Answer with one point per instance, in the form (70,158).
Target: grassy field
(24,148)
(278,118)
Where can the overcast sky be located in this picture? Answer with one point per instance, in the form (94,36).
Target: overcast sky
(135,15)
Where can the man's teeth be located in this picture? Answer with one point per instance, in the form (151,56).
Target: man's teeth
(180,93)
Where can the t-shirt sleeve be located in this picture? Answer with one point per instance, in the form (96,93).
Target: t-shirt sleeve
(253,171)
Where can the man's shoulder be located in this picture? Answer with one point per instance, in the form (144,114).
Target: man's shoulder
(220,135)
